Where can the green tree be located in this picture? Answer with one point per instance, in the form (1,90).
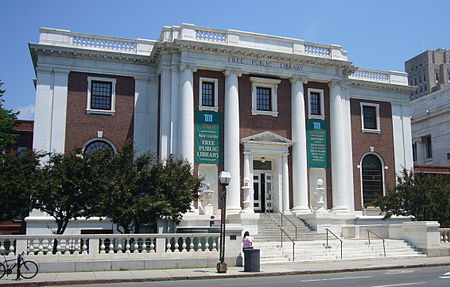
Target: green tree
(67,187)
(7,123)
(425,197)
(17,180)
(142,189)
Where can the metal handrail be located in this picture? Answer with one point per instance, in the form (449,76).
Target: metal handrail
(284,216)
(368,238)
(293,242)
(328,246)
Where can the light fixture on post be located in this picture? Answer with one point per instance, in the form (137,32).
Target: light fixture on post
(224,179)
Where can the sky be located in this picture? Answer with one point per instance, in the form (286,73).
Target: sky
(379,34)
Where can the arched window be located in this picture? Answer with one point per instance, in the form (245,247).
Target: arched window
(96,145)
(372,178)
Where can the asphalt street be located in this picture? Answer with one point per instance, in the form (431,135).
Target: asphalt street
(428,276)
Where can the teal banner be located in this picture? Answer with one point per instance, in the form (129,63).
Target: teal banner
(317,143)
(207,137)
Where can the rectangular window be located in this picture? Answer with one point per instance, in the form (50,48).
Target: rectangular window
(314,102)
(101,95)
(208,94)
(264,96)
(414,150)
(370,117)
(316,107)
(428,147)
(263,99)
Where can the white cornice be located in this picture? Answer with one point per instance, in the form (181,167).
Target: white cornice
(382,86)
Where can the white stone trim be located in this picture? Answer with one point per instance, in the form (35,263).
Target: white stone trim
(100,139)
(112,111)
(265,83)
(377,111)
(215,108)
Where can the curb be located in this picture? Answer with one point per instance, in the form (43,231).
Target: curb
(200,277)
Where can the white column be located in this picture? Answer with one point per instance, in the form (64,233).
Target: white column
(285,184)
(51,108)
(248,187)
(174,103)
(186,139)
(338,149)
(401,126)
(348,144)
(153,114)
(141,115)
(299,157)
(231,140)
(164,112)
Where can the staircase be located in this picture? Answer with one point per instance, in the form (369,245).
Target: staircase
(311,246)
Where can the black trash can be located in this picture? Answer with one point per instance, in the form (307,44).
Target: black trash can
(251,260)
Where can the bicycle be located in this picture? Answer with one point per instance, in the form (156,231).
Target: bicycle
(25,269)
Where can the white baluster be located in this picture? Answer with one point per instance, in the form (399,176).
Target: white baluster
(199,245)
(77,247)
(120,246)
(144,245)
(127,246)
(183,246)
(206,244)
(136,246)
(168,245)
(191,246)
(40,247)
(102,246)
(31,247)
(152,245)
(111,245)
(176,245)
(214,245)
(85,247)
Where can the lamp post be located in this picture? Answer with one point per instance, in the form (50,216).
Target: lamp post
(224,179)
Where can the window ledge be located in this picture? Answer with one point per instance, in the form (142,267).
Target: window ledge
(264,113)
(316,117)
(368,131)
(100,112)
(206,108)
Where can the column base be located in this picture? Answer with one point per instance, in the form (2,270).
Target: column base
(342,210)
(287,212)
(233,210)
(298,210)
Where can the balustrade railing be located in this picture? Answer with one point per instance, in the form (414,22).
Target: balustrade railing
(110,244)
(444,235)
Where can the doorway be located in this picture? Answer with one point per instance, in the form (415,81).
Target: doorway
(262,187)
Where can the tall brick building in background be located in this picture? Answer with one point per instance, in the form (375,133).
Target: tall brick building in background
(284,116)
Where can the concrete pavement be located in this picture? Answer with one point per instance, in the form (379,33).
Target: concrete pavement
(44,279)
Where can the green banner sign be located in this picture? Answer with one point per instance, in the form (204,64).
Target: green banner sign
(317,143)
(207,137)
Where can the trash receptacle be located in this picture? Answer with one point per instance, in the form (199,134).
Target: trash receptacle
(251,260)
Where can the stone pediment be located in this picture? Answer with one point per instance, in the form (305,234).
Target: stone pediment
(267,138)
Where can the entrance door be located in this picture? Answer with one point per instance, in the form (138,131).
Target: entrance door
(262,186)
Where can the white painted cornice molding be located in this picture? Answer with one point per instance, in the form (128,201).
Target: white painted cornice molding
(188,67)
(303,80)
(228,72)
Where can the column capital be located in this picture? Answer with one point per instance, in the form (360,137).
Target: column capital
(228,72)
(343,84)
(187,67)
(294,80)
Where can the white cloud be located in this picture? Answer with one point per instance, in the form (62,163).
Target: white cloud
(26,113)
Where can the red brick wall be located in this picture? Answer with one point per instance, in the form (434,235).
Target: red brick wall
(80,127)
(382,143)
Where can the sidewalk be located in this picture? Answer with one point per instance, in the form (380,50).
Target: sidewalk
(205,273)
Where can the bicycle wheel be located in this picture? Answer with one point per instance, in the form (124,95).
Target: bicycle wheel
(28,269)
(2,270)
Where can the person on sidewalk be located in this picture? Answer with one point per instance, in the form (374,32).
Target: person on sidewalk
(247,241)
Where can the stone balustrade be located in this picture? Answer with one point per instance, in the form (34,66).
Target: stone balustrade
(252,40)
(108,244)
(444,235)
(67,38)
(386,77)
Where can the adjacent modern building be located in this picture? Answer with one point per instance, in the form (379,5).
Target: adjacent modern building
(286,117)
(429,71)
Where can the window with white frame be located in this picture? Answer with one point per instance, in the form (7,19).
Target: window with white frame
(372,178)
(264,96)
(208,95)
(98,144)
(101,95)
(316,105)
(428,147)
(370,116)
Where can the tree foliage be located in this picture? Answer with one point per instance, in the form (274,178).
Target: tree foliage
(17,180)
(7,123)
(425,197)
(66,187)
(141,189)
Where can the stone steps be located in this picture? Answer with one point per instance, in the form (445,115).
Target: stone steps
(311,246)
